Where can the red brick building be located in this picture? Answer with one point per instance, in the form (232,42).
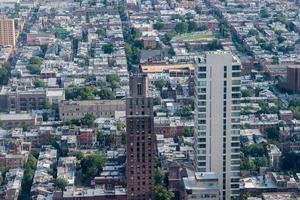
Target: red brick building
(140,140)
(293,78)
(87,137)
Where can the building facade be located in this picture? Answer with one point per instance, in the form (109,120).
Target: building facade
(217,120)
(293,78)
(69,110)
(140,140)
(7,31)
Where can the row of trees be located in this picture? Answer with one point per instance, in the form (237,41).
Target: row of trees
(88,93)
(161,191)
(30,168)
(5,73)
(294,106)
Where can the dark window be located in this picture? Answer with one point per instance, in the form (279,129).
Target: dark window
(139,89)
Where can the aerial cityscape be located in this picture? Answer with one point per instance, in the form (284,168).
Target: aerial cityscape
(150,99)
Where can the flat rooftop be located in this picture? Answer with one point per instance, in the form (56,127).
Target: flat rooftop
(168,67)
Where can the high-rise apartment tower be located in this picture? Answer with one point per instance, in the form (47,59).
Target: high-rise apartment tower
(7,31)
(217,119)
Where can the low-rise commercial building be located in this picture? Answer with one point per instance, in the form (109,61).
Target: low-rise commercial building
(69,110)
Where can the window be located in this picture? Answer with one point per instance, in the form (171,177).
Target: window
(235,89)
(236,82)
(201,75)
(202,69)
(202,97)
(236,67)
(235,144)
(139,89)
(202,90)
(236,74)
(202,103)
(202,83)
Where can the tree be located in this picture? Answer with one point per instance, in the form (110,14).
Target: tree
(246,93)
(36,60)
(109,140)
(39,83)
(80,93)
(34,65)
(273,133)
(101,32)
(161,193)
(2,174)
(160,83)
(61,183)
(291,161)
(295,108)
(79,155)
(136,33)
(261,161)
(202,27)
(34,69)
(60,33)
(171,51)
(264,13)
(252,32)
(158,25)
(92,165)
(106,94)
(100,137)
(122,11)
(188,132)
(4,75)
(168,36)
(120,126)
(214,45)
(88,120)
(108,48)
(186,111)
(123,138)
(30,168)
(188,47)
(192,26)
(254,150)
(157,101)
(198,10)
(181,27)
(159,176)
(113,79)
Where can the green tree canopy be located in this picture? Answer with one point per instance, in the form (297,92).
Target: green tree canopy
(158,25)
(160,83)
(61,183)
(273,133)
(88,120)
(192,26)
(30,168)
(80,93)
(39,83)
(92,165)
(291,161)
(108,48)
(188,132)
(181,27)
(161,193)
(254,150)
(106,94)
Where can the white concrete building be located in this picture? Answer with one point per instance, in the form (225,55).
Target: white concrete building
(217,119)
(201,186)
